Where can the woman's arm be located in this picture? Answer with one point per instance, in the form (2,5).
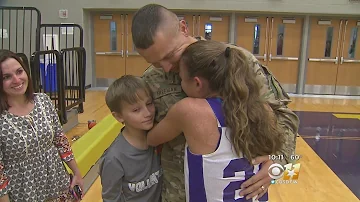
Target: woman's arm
(5,198)
(171,126)
(62,143)
(4,181)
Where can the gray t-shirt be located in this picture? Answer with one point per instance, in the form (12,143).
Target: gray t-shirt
(130,174)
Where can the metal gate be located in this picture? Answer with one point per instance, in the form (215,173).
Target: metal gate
(18,27)
(48,77)
(54,53)
(67,40)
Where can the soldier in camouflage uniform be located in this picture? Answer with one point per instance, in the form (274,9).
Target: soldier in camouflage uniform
(167,91)
(161,43)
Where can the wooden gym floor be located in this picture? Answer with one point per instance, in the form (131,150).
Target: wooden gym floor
(329,145)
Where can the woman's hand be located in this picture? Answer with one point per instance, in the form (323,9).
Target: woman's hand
(77,180)
(5,198)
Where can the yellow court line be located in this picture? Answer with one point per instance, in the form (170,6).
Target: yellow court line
(347,116)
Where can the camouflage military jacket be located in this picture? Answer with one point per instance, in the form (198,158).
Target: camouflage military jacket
(167,91)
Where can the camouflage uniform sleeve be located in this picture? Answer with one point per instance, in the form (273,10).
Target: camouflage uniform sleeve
(166,89)
(278,99)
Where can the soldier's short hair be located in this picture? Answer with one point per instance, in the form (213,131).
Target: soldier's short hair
(125,89)
(146,22)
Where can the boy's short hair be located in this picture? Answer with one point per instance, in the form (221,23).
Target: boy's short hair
(124,89)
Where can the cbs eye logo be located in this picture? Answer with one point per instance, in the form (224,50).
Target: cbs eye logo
(276,171)
(289,171)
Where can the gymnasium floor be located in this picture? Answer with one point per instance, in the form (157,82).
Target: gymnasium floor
(336,139)
(329,145)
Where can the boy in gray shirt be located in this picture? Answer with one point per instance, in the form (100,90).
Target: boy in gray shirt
(130,169)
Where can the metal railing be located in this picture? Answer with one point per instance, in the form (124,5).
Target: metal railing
(48,77)
(18,27)
(74,62)
(68,40)
(66,35)
(57,57)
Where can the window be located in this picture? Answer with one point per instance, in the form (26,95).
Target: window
(256,47)
(352,46)
(280,40)
(208,30)
(328,42)
(113,43)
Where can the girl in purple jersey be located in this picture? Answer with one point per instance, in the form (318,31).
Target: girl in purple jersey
(225,121)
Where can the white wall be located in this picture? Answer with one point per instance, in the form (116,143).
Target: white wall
(79,11)
(298,6)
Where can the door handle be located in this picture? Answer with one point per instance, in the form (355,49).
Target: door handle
(259,57)
(266,38)
(350,61)
(122,25)
(324,60)
(133,53)
(110,53)
(127,35)
(285,58)
(100,53)
(193,25)
(262,57)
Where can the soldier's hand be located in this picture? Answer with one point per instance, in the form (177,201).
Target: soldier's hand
(260,182)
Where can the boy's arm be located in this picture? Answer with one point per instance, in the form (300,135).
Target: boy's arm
(111,175)
(168,128)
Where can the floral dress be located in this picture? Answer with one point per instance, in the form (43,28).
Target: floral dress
(32,149)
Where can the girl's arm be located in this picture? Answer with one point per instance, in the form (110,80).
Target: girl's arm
(171,126)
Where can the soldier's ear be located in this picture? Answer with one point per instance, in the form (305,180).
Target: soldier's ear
(183,27)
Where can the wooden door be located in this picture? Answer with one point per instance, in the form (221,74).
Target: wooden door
(115,53)
(324,46)
(252,34)
(284,50)
(211,27)
(347,79)
(275,42)
(109,48)
(214,27)
(135,64)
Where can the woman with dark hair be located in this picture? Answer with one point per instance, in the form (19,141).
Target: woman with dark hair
(33,144)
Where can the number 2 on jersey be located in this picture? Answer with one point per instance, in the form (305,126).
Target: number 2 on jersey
(241,166)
